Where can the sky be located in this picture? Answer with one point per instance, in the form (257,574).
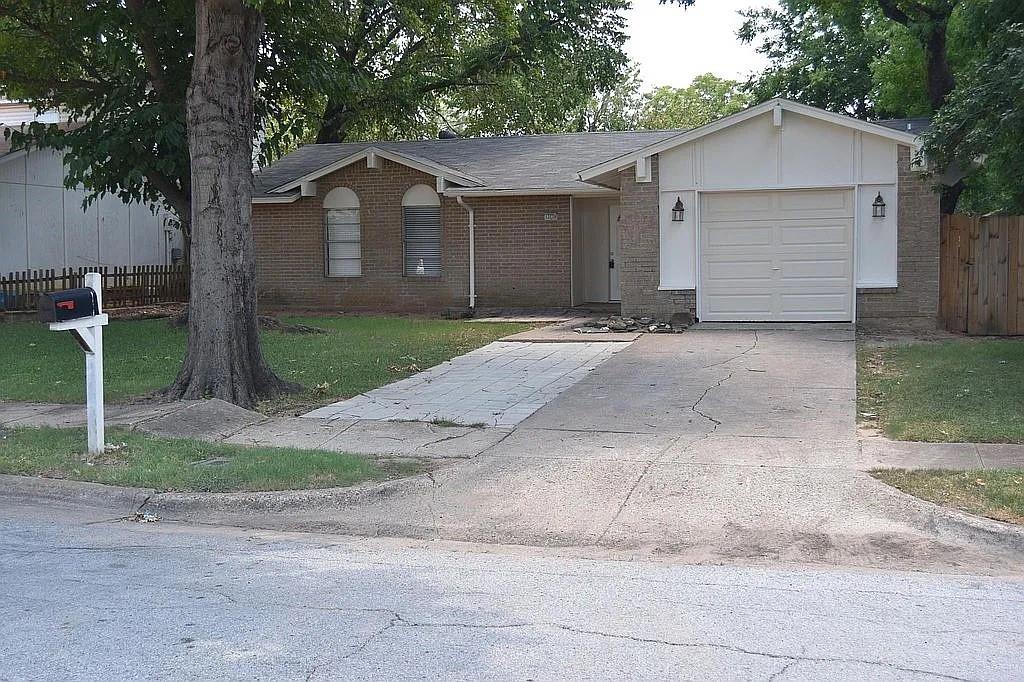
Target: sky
(672,45)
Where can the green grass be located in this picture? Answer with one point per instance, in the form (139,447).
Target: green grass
(995,494)
(174,464)
(958,391)
(356,355)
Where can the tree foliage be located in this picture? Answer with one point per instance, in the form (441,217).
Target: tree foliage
(119,70)
(707,98)
(328,70)
(984,118)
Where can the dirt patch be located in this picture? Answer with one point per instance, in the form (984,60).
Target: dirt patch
(267,323)
(146,312)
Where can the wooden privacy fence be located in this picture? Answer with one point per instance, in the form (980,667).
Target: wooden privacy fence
(981,276)
(122,286)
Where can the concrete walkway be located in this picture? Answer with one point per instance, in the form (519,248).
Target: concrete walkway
(500,384)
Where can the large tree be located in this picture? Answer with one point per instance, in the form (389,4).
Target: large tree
(125,71)
(981,127)
(376,69)
(224,358)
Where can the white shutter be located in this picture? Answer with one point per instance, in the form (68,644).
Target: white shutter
(344,249)
(422,232)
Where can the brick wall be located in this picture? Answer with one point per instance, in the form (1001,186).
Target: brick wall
(640,237)
(916,299)
(523,260)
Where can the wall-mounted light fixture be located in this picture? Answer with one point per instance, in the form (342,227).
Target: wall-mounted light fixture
(878,207)
(678,210)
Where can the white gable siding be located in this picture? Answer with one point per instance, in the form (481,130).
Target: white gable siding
(756,155)
(43,224)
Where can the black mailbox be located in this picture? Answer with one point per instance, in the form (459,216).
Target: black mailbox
(70,304)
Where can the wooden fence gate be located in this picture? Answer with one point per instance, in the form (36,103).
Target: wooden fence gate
(981,276)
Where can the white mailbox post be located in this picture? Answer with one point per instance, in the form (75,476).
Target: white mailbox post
(88,331)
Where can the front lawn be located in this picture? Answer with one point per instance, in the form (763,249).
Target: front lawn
(956,391)
(185,465)
(995,494)
(355,355)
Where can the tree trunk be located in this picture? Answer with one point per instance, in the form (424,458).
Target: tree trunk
(224,359)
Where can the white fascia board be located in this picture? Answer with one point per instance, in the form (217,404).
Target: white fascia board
(484,192)
(284,199)
(623,161)
(414,162)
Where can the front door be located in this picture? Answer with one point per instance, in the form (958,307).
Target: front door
(614,289)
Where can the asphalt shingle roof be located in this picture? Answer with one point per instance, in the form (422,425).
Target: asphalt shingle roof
(907,125)
(525,162)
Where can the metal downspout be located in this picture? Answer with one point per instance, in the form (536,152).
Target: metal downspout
(472,251)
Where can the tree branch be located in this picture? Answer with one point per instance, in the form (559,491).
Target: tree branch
(150,54)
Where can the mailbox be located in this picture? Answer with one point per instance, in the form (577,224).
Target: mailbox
(70,304)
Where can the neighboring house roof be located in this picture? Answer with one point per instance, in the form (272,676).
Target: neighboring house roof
(526,163)
(907,125)
(641,156)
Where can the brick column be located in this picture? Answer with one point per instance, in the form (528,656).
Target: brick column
(640,235)
(915,300)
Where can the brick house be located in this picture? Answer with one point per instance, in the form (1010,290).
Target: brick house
(782,212)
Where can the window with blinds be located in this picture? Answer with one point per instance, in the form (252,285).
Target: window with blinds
(421,230)
(344,250)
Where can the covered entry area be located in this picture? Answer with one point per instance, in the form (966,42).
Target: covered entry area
(776,256)
(595,248)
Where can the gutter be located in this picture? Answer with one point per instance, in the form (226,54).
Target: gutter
(472,250)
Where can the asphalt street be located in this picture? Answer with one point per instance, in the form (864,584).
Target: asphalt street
(89,597)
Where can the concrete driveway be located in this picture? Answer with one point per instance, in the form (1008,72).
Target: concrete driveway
(718,445)
(744,394)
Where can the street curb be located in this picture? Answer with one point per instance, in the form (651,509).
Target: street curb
(952,524)
(35,488)
(194,506)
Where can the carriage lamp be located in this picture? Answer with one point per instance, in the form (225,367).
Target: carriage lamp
(878,207)
(678,210)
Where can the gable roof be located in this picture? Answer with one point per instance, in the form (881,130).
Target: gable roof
(523,164)
(628,158)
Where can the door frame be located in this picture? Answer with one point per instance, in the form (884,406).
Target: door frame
(614,252)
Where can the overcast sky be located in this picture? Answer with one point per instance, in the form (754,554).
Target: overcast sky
(673,45)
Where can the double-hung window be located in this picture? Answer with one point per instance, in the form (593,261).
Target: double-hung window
(421,232)
(343,254)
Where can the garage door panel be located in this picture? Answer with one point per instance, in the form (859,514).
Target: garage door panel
(813,233)
(732,270)
(744,306)
(724,207)
(818,203)
(825,304)
(740,234)
(785,256)
(835,270)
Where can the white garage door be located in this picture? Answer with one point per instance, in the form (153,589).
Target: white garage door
(777,256)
